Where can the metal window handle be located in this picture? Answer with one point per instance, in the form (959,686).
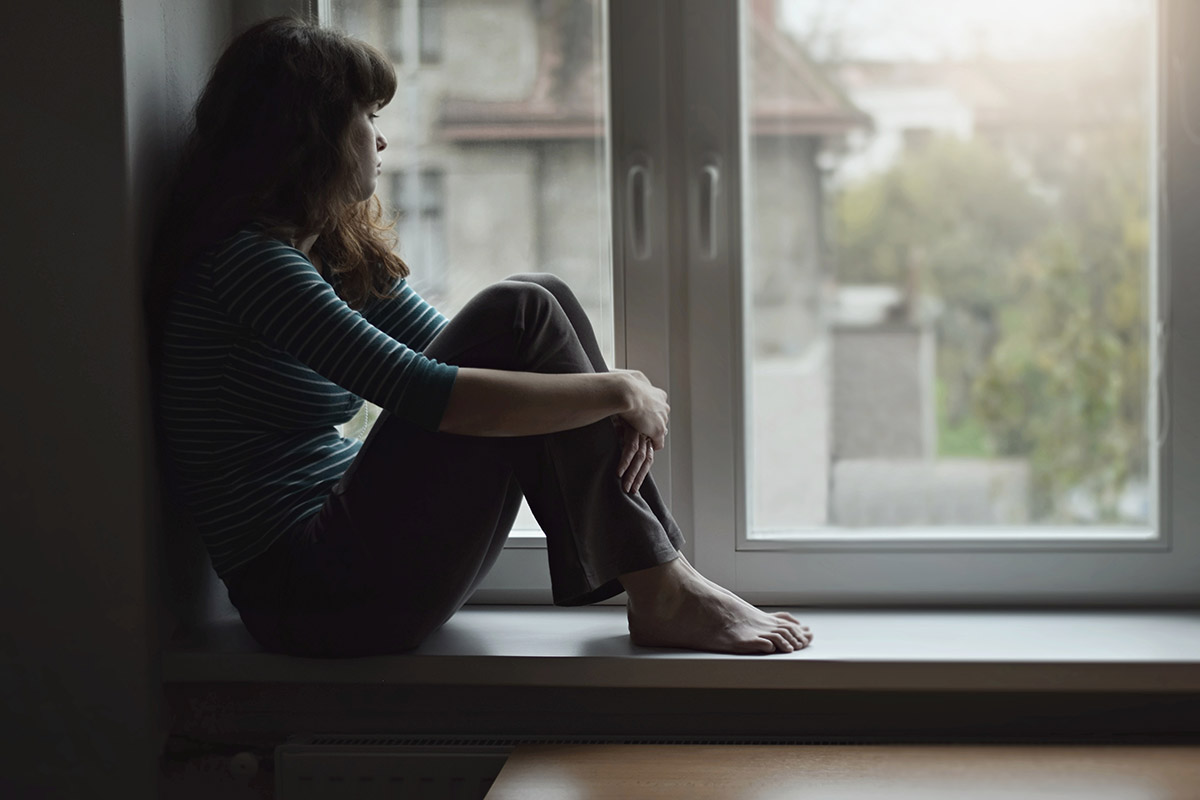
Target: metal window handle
(710,185)
(637,207)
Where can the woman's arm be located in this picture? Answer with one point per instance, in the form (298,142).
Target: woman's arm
(405,316)
(273,291)
(276,292)
(488,402)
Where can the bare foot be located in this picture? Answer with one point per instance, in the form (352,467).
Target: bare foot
(781,614)
(673,605)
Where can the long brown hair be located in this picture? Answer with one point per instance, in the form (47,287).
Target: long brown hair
(269,143)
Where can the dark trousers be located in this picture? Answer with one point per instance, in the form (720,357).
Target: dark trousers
(420,517)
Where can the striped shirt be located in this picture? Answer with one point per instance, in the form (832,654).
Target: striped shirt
(261,360)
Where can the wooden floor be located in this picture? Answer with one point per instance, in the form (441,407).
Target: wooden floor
(843,772)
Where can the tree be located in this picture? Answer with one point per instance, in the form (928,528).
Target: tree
(1067,383)
(1041,278)
(945,222)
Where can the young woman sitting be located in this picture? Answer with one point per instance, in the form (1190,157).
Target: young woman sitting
(278,306)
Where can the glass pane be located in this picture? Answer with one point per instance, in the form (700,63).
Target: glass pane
(498,154)
(948,263)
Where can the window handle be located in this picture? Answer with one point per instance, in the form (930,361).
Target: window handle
(710,186)
(637,208)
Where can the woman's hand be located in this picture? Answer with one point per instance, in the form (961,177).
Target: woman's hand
(637,455)
(649,411)
(642,430)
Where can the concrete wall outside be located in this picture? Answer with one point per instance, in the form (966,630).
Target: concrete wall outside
(491,49)
(882,391)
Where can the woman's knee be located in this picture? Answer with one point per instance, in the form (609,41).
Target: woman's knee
(547,280)
(530,301)
(541,327)
(513,289)
(510,300)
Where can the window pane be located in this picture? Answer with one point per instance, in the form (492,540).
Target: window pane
(431,31)
(947,263)
(497,151)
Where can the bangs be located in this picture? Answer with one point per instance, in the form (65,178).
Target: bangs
(371,77)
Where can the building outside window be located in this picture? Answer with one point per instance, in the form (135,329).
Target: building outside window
(388,22)
(420,209)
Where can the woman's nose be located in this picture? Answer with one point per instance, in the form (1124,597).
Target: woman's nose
(380,141)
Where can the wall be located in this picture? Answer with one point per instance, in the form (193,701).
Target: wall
(499,35)
(882,391)
(97,92)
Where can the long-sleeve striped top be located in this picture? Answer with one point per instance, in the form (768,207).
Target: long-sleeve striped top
(261,360)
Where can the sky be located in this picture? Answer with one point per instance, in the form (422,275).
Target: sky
(930,30)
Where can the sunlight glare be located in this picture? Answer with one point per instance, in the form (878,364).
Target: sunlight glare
(938,29)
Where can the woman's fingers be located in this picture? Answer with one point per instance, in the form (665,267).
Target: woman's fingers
(629,449)
(647,454)
(637,456)
(631,454)
(638,446)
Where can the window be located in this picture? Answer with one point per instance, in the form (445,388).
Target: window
(430,27)
(420,206)
(905,268)
(395,26)
(945,369)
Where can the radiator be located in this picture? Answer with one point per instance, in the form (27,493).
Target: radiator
(377,767)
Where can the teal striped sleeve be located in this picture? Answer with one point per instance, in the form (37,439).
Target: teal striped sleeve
(274,291)
(405,316)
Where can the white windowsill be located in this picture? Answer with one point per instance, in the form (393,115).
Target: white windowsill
(889,650)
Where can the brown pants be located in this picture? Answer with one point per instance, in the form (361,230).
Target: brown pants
(420,517)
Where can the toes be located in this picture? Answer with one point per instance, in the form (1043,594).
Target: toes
(801,632)
(795,641)
(780,641)
(761,645)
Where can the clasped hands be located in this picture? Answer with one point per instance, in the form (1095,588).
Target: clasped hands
(637,454)
(641,429)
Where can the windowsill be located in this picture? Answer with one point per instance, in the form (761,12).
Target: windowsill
(889,650)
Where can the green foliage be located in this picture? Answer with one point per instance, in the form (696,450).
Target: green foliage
(1041,279)
(1066,385)
(965,438)
(949,212)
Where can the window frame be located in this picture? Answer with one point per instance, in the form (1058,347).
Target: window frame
(678,307)
(946,567)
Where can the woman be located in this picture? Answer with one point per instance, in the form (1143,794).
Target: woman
(279,304)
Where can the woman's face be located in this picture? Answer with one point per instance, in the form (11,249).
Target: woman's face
(367,143)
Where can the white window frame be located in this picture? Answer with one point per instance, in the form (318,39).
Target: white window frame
(675,97)
(1160,566)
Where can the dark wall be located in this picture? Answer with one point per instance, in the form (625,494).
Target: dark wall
(94,92)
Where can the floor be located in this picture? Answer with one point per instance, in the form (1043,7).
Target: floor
(842,772)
